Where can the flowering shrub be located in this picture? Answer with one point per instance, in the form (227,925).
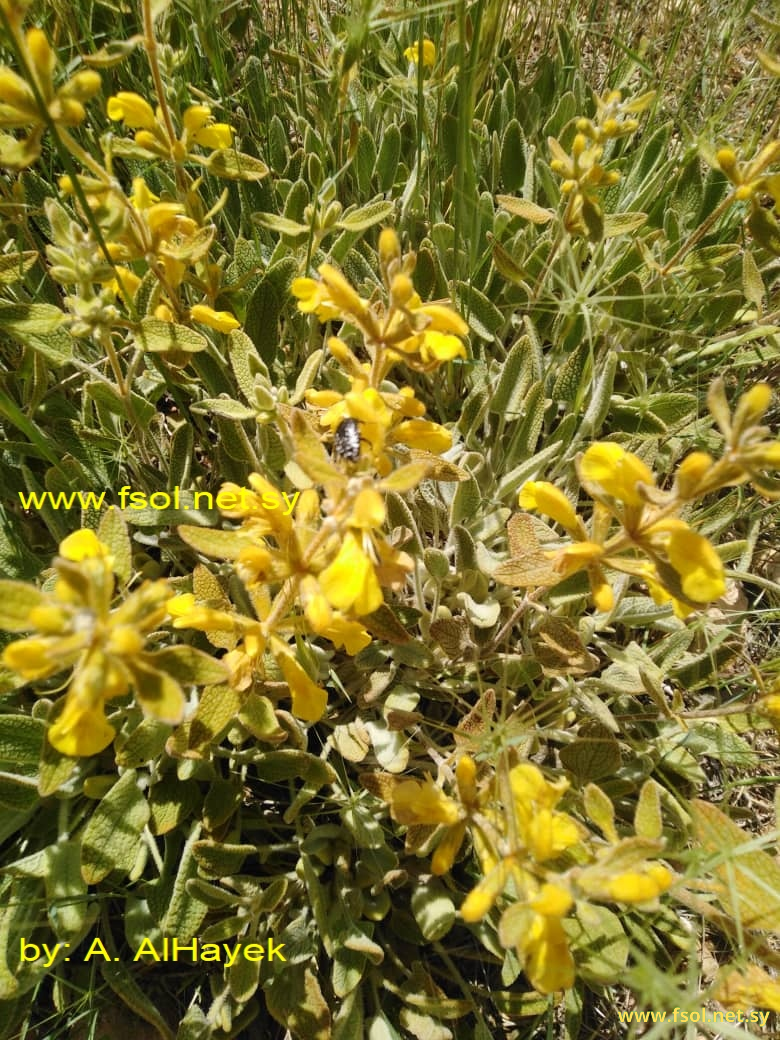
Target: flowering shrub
(414,731)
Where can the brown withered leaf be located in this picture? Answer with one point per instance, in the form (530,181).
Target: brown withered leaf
(560,651)
(478,719)
(440,469)
(453,635)
(417,835)
(383,624)
(521,534)
(527,565)
(593,754)
(398,720)
(381,785)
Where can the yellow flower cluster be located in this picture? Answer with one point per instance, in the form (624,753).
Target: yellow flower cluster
(581,168)
(151,134)
(322,568)
(106,648)
(31,106)
(422,336)
(653,543)
(751,178)
(161,234)
(521,839)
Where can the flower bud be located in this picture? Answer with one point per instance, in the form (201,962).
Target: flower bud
(42,57)
(389,246)
(83,85)
(727,160)
(691,472)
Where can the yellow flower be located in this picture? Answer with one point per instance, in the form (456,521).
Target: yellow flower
(639,886)
(691,473)
(481,898)
(19,107)
(313,297)
(423,434)
(550,500)
(547,959)
(309,700)
(752,987)
(615,471)
(428,53)
(221,321)
(422,802)
(693,557)
(544,832)
(349,582)
(552,901)
(199,128)
(105,647)
(132,109)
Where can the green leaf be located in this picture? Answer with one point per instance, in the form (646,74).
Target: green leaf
(145,742)
(17,599)
(513,156)
(265,307)
(648,820)
(14,266)
(365,216)
(593,754)
(29,319)
(224,407)
(161,337)
(483,317)
(122,982)
(217,708)
(505,263)
(752,283)
(569,381)
(295,1000)
(184,912)
(21,743)
(601,811)
(224,545)
(171,802)
(290,763)
(188,665)
(259,717)
(433,910)
(112,531)
(66,890)
(220,859)
(235,166)
(622,223)
(525,208)
(364,159)
(749,888)
(387,158)
(598,943)
(513,383)
(113,832)
(281,225)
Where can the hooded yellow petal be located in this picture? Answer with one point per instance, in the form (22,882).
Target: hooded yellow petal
(350,583)
(550,500)
(616,471)
(81,729)
(415,801)
(309,700)
(132,109)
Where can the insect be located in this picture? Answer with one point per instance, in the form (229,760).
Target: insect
(346,440)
